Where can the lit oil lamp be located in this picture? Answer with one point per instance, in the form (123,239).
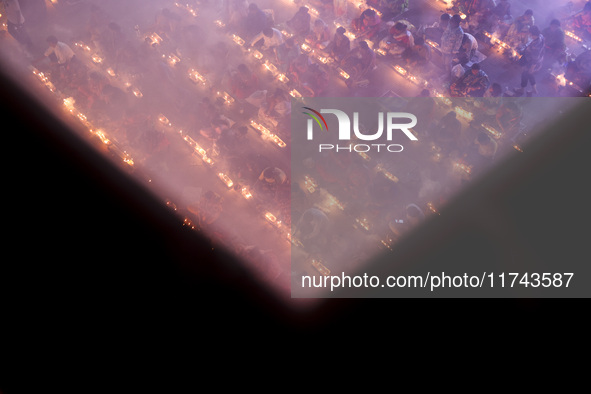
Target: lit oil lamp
(102,136)
(464,113)
(310,184)
(155,39)
(278,141)
(364,223)
(196,77)
(226,179)
(226,97)
(283,78)
(333,201)
(82,46)
(463,167)
(494,132)
(262,129)
(573,36)
(172,60)
(364,156)
(270,67)
(164,120)
(246,193)
(400,70)
(432,43)
(343,74)
(432,208)
(381,51)
(238,40)
(320,267)
(306,48)
(97,59)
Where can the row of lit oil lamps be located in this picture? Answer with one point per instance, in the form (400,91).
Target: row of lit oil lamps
(198,78)
(245,191)
(330,202)
(68,103)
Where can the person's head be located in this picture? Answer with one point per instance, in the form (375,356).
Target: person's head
(424,93)
(483,138)
(529,13)
(52,41)
(269,173)
(450,115)
(475,68)
(400,27)
(95,78)
(363,45)
(369,14)
(419,41)
(413,212)
(444,20)
(308,217)
(455,21)
(243,69)
(495,89)
(289,42)
(303,10)
(268,32)
(534,31)
(280,94)
(341,30)
(555,24)
(253,8)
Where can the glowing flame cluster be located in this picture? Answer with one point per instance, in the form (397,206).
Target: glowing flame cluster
(310,184)
(411,77)
(387,174)
(572,35)
(464,113)
(343,73)
(267,134)
(463,167)
(492,131)
(226,97)
(494,40)
(238,40)
(187,8)
(196,77)
(364,223)
(317,264)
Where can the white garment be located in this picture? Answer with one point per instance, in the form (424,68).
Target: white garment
(62,51)
(269,42)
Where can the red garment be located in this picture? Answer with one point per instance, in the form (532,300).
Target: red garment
(404,39)
(243,87)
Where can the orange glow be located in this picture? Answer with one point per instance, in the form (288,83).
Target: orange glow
(320,267)
(238,40)
(246,193)
(226,179)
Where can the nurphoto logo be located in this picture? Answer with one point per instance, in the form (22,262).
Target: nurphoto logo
(394,121)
